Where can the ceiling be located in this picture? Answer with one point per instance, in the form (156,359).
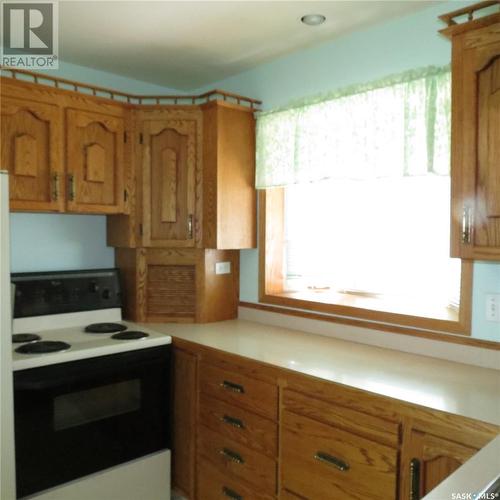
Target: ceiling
(187,45)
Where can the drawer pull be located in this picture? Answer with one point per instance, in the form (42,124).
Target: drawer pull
(71,194)
(331,460)
(55,188)
(231,386)
(231,494)
(235,422)
(232,455)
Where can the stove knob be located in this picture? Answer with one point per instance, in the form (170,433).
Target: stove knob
(93,287)
(106,294)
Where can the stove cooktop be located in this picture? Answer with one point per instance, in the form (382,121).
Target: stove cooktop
(82,344)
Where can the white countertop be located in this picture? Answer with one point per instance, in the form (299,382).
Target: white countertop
(442,385)
(473,476)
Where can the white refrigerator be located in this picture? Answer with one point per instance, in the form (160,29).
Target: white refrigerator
(7,462)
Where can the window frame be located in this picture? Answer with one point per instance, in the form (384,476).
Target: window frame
(271,280)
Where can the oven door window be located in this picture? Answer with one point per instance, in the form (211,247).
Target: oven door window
(82,407)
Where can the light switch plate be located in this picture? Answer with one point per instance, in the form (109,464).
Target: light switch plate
(223,268)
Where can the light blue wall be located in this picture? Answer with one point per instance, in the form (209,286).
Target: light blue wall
(393,47)
(47,242)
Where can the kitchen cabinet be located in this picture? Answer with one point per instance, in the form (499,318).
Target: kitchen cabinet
(475,172)
(64,151)
(95,159)
(184,421)
(194,179)
(32,154)
(178,284)
(265,432)
(170,145)
(229,196)
(321,458)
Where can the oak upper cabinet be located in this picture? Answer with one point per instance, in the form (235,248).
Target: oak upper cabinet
(229,197)
(476,138)
(170,169)
(94,162)
(32,154)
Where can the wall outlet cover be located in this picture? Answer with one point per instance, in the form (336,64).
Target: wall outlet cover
(223,268)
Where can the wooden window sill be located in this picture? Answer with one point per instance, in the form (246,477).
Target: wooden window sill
(383,310)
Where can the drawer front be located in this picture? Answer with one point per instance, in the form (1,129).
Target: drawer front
(231,387)
(368,426)
(238,461)
(213,485)
(321,461)
(240,425)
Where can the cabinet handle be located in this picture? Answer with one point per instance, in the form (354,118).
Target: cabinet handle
(55,187)
(235,422)
(467,225)
(231,386)
(190,226)
(231,494)
(71,195)
(331,460)
(232,455)
(414,479)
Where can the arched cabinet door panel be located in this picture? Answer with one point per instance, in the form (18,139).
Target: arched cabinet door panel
(475,161)
(31,152)
(94,162)
(171,143)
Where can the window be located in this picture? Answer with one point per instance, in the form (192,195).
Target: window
(356,207)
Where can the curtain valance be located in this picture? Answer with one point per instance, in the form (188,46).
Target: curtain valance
(399,126)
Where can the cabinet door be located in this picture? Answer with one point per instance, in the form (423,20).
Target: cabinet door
(31,152)
(94,162)
(170,154)
(184,422)
(476,144)
(432,460)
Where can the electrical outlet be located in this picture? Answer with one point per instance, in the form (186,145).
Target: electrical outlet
(223,268)
(493,307)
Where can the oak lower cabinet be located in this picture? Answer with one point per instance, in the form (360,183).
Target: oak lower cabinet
(326,457)
(434,456)
(32,153)
(475,172)
(177,284)
(250,430)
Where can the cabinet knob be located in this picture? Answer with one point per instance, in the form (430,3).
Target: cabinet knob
(190,226)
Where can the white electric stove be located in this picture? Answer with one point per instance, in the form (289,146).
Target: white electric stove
(91,392)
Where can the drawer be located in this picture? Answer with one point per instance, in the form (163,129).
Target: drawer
(321,461)
(238,461)
(240,425)
(245,392)
(362,424)
(213,485)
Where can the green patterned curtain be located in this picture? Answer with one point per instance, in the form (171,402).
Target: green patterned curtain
(399,126)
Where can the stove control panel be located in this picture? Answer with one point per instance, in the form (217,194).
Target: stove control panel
(40,294)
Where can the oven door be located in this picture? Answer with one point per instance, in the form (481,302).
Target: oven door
(76,418)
